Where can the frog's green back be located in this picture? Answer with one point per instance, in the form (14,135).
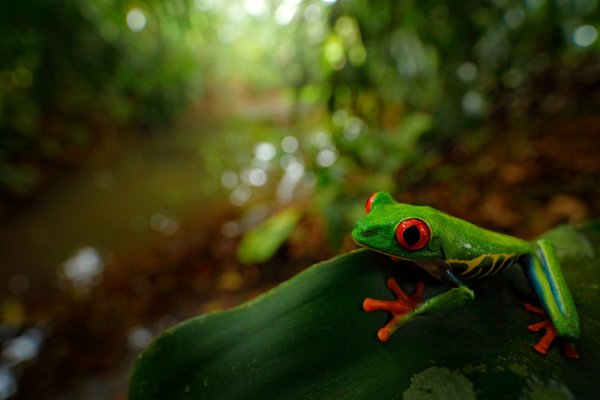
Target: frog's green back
(463,240)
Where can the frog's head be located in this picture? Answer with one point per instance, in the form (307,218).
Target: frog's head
(399,230)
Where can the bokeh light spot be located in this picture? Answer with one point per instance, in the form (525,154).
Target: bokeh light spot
(514,17)
(265,151)
(313,13)
(289,144)
(295,170)
(256,8)
(326,157)
(257,177)
(84,268)
(139,337)
(229,179)
(473,103)
(239,196)
(334,53)
(321,139)
(24,347)
(585,35)
(467,72)
(346,27)
(136,20)
(104,180)
(285,13)
(161,223)
(205,5)
(357,54)
(353,127)
(8,383)
(231,229)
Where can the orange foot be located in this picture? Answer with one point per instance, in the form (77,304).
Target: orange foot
(544,343)
(399,308)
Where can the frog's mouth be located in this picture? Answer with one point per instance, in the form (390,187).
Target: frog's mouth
(360,235)
(368,238)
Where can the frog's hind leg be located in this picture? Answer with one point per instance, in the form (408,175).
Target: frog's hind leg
(546,277)
(544,343)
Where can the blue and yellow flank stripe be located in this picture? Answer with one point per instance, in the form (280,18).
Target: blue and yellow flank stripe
(482,266)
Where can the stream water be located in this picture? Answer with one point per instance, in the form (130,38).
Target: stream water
(129,193)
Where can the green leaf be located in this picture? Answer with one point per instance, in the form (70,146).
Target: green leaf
(309,338)
(260,243)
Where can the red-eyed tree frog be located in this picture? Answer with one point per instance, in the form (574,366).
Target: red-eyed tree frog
(451,249)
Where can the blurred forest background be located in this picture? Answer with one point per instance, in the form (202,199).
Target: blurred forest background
(141,140)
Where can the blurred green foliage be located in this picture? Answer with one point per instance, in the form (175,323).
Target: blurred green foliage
(72,71)
(405,82)
(399,82)
(466,61)
(261,243)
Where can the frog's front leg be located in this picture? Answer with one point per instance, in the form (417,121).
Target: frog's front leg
(401,308)
(408,307)
(546,277)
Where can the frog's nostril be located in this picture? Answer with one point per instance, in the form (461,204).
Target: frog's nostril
(366,232)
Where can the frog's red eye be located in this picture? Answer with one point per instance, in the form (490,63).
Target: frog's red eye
(369,203)
(413,234)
